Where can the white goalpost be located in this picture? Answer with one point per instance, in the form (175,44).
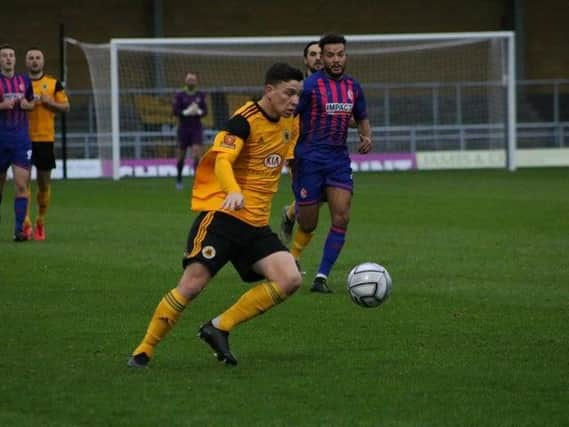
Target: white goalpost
(426,93)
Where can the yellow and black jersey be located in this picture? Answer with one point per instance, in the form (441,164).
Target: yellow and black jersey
(259,145)
(41,118)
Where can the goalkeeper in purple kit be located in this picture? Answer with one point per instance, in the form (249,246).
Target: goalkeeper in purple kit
(189,106)
(322,161)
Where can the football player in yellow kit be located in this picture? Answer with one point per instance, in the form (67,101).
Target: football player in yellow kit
(50,99)
(233,191)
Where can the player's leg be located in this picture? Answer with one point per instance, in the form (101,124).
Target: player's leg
(339,202)
(198,270)
(21,180)
(265,258)
(197,152)
(289,214)
(28,229)
(2,181)
(44,160)
(287,222)
(181,158)
(282,280)
(339,186)
(308,185)
(168,311)
(307,219)
(43,198)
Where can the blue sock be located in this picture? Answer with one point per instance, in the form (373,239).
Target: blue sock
(332,248)
(20,208)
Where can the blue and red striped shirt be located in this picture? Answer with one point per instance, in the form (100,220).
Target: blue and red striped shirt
(325,107)
(14,123)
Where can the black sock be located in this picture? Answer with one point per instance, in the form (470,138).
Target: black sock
(180,167)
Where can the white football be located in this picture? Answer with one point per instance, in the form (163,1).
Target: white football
(369,284)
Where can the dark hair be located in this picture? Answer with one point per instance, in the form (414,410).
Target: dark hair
(32,48)
(282,72)
(7,46)
(313,42)
(331,38)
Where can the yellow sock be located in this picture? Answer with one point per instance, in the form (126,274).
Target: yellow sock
(291,210)
(255,301)
(43,198)
(163,320)
(300,241)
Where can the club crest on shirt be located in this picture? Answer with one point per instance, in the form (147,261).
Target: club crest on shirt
(273,161)
(208,252)
(350,95)
(228,141)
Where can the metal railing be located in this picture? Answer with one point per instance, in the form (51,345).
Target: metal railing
(542,121)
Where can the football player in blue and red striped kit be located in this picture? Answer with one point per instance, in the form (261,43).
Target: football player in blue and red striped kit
(321,158)
(15,145)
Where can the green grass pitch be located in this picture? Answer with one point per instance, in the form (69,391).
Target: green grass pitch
(476,332)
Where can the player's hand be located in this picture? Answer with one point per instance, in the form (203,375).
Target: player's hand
(365,145)
(46,99)
(233,201)
(192,110)
(26,105)
(8,104)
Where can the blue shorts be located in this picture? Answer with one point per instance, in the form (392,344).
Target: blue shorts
(310,179)
(16,152)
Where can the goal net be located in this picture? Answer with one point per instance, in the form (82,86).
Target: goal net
(425,92)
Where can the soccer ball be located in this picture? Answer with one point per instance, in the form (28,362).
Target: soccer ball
(369,284)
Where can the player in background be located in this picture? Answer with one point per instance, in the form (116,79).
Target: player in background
(312,64)
(321,159)
(50,99)
(15,146)
(189,106)
(233,191)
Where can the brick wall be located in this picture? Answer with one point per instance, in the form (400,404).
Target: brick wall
(35,22)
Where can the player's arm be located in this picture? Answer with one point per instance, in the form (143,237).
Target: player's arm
(228,145)
(5,104)
(295,133)
(304,101)
(203,106)
(59,103)
(364,127)
(28,101)
(177,106)
(234,199)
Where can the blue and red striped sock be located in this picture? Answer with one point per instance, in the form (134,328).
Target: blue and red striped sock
(332,248)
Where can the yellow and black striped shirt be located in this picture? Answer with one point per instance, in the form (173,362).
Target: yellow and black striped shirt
(41,118)
(259,146)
